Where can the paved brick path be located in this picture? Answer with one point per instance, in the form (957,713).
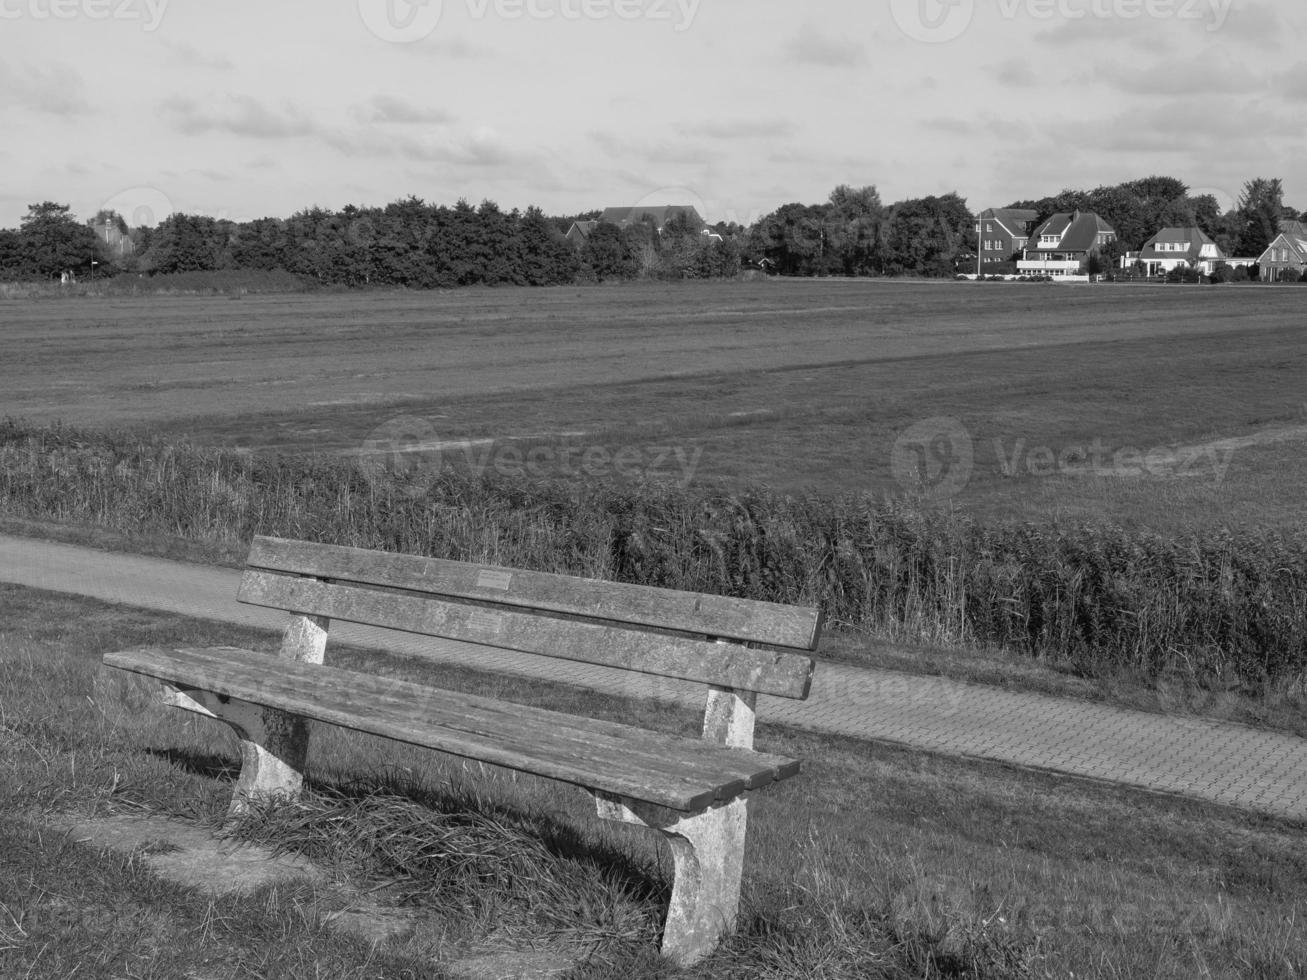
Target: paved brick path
(1208,760)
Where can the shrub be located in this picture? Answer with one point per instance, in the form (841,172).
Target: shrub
(1216,604)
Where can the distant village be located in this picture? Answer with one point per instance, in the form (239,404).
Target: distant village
(1062,247)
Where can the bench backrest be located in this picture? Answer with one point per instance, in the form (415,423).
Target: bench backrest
(686,635)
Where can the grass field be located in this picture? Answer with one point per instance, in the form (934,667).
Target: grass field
(1176,408)
(876,863)
(1160,406)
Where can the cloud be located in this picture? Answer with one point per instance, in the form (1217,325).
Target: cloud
(1210,72)
(184,53)
(1015,74)
(483,148)
(1292,83)
(809,47)
(449,49)
(1173,126)
(240,115)
(1258,23)
(665,150)
(391,109)
(1155,25)
(742,129)
(953,125)
(51,89)
(1109,32)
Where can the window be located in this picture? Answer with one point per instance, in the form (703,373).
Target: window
(989,227)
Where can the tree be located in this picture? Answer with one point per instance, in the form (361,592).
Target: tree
(1162,202)
(679,247)
(925,236)
(1111,254)
(11,254)
(52,240)
(607,253)
(1260,208)
(1122,208)
(794,238)
(189,243)
(260,244)
(548,258)
(854,220)
(1207,214)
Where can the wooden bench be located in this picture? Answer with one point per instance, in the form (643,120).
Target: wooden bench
(694,790)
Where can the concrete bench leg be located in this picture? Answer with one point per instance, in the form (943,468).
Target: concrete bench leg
(274,744)
(708,858)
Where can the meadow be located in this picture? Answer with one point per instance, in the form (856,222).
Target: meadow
(1088,490)
(1162,407)
(876,863)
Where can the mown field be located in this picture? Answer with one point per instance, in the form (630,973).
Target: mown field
(1158,406)
(997,418)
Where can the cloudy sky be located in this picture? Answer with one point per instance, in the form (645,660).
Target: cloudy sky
(242,109)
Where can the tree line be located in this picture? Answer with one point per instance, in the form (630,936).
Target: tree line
(416,244)
(406,243)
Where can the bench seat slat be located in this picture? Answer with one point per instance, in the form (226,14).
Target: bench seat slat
(712,615)
(681,773)
(728,665)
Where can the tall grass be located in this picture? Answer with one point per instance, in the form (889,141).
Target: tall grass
(234,282)
(1223,606)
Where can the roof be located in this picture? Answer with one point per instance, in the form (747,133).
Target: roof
(582,228)
(659,215)
(1015,221)
(1191,238)
(1293,234)
(1294,229)
(1079,232)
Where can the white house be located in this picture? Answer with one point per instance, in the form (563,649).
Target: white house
(1175,248)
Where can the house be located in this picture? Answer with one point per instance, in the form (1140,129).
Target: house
(625,217)
(1062,244)
(580,231)
(1002,233)
(1175,248)
(1286,253)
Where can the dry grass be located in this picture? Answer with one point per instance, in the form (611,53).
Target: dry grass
(1215,608)
(876,862)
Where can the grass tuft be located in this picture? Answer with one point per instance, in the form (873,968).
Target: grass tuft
(458,855)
